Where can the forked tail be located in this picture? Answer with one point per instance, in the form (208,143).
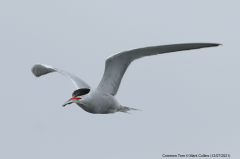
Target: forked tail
(126,109)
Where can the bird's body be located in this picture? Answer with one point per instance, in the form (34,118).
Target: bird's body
(98,102)
(102,99)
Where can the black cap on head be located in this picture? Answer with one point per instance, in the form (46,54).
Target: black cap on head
(80,92)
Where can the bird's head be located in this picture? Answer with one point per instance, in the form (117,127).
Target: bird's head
(77,96)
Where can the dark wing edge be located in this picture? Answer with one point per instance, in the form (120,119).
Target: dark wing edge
(39,70)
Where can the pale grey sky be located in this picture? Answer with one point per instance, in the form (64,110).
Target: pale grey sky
(189,100)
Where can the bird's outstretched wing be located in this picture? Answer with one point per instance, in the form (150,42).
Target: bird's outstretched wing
(117,64)
(40,69)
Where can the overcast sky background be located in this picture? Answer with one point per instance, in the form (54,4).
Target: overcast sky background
(189,100)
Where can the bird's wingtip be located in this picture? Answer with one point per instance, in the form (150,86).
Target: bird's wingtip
(32,70)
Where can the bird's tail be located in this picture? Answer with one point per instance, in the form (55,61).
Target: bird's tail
(126,109)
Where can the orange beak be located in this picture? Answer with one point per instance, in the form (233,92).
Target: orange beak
(70,101)
(75,98)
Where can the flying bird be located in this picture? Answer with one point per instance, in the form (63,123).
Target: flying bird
(102,99)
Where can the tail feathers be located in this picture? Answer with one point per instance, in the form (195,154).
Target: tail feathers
(126,109)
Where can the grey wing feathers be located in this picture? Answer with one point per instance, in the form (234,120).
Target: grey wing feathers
(40,69)
(117,64)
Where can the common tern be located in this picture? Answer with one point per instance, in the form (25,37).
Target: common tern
(102,99)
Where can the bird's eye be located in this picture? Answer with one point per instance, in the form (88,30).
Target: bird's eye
(80,92)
